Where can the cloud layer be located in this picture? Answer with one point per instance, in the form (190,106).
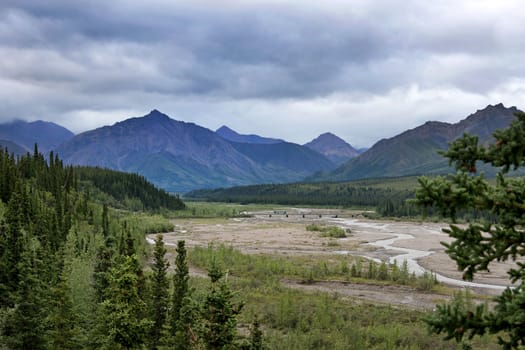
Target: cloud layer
(287,69)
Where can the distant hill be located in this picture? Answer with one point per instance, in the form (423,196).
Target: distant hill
(12,147)
(174,155)
(415,151)
(25,134)
(231,135)
(333,148)
(291,161)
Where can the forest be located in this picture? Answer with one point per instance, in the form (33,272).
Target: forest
(76,273)
(73,272)
(387,196)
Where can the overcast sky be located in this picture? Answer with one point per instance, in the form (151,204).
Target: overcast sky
(364,70)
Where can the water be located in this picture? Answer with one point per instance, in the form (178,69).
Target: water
(411,256)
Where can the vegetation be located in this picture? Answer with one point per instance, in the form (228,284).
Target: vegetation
(292,319)
(479,244)
(130,191)
(72,276)
(387,196)
(327,231)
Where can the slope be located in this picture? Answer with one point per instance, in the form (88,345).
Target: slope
(46,134)
(333,147)
(231,135)
(415,151)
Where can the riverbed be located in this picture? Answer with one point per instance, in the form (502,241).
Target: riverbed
(284,232)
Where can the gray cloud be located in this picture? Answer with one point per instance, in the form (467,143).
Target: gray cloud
(363,71)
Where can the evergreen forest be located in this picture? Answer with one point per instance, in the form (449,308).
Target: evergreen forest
(73,270)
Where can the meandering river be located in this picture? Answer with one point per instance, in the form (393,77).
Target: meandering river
(411,256)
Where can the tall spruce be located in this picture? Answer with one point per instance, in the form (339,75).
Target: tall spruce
(219,312)
(159,292)
(62,323)
(180,326)
(24,324)
(478,244)
(123,309)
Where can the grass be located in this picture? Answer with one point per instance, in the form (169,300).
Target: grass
(327,231)
(293,319)
(195,209)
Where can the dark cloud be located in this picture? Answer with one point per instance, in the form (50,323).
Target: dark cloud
(339,63)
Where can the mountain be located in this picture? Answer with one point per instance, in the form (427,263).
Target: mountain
(291,161)
(231,135)
(46,134)
(174,155)
(12,147)
(333,148)
(415,151)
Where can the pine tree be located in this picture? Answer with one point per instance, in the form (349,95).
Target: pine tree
(103,263)
(23,328)
(256,335)
(123,308)
(62,323)
(159,292)
(183,314)
(12,243)
(219,312)
(480,243)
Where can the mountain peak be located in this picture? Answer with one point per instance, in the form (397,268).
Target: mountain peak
(47,135)
(156,114)
(333,147)
(233,136)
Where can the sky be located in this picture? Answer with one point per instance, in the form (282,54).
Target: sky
(364,70)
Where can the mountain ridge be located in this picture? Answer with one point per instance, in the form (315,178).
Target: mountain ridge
(333,147)
(414,151)
(176,155)
(231,135)
(47,135)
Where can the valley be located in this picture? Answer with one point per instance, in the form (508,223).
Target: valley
(283,233)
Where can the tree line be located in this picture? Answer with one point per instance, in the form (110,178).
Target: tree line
(72,270)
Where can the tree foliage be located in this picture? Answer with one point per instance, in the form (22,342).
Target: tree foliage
(61,268)
(159,292)
(499,238)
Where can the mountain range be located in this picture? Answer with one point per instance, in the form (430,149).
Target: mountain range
(333,147)
(231,135)
(46,134)
(415,151)
(179,156)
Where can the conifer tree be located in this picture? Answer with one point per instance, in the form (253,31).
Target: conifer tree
(124,310)
(23,328)
(159,292)
(256,335)
(219,312)
(62,323)
(182,313)
(480,243)
(103,263)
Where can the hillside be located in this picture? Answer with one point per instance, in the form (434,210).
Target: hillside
(289,160)
(231,135)
(13,147)
(179,156)
(333,147)
(416,151)
(46,134)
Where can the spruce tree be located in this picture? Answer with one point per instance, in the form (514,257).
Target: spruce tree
(123,310)
(182,313)
(159,292)
(62,323)
(219,312)
(256,335)
(480,243)
(24,324)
